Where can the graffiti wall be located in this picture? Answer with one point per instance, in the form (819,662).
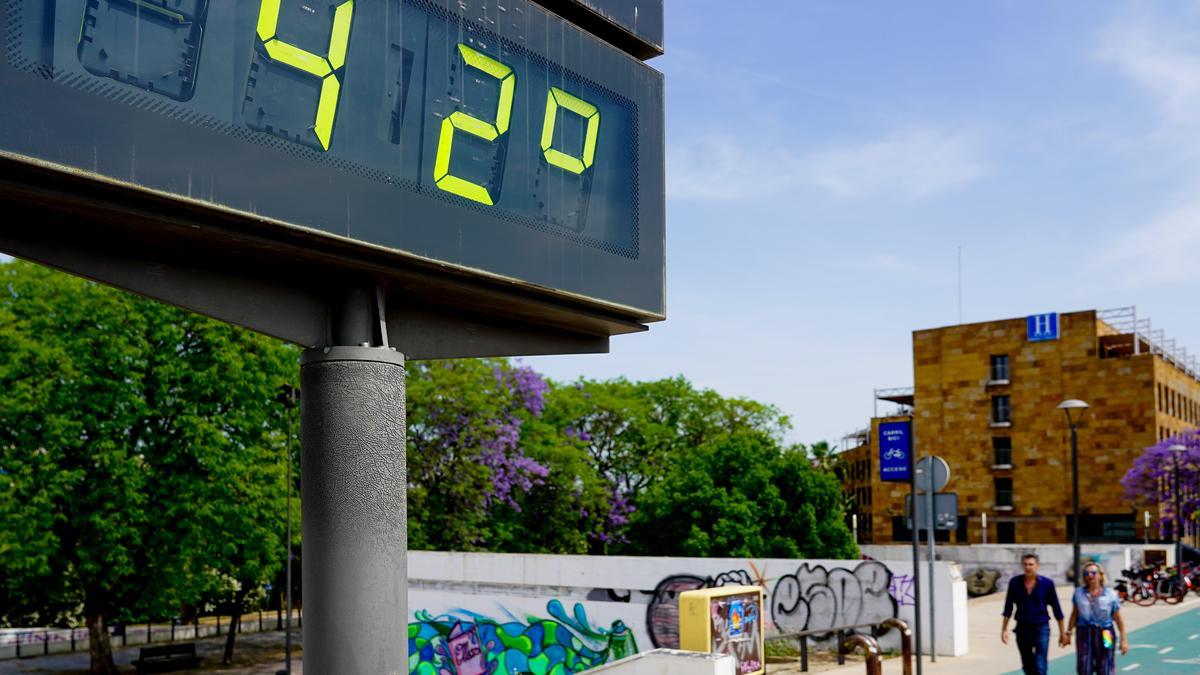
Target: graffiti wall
(480,613)
(464,642)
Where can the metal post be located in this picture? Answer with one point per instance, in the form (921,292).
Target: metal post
(288,397)
(916,549)
(1075,502)
(353,510)
(930,531)
(983,517)
(1182,589)
(803,653)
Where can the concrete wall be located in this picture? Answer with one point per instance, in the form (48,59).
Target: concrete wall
(672,662)
(1055,559)
(608,607)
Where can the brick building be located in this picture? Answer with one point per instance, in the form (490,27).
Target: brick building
(984,399)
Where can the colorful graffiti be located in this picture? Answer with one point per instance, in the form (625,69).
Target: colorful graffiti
(735,631)
(662,614)
(467,643)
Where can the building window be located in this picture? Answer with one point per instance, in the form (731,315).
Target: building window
(1006,533)
(1000,368)
(1004,492)
(1001,410)
(1002,451)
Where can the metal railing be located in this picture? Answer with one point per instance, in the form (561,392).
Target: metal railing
(1125,321)
(28,643)
(849,638)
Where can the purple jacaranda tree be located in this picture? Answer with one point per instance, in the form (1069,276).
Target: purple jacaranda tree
(465,457)
(1151,479)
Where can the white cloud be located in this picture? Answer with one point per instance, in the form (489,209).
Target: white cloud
(1161,250)
(914,164)
(1160,56)
(911,164)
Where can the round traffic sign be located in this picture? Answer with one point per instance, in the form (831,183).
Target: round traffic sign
(933,470)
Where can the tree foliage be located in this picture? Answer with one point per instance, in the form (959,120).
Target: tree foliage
(501,460)
(140,461)
(143,461)
(1151,478)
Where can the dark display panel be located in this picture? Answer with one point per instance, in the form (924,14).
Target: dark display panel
(491,136)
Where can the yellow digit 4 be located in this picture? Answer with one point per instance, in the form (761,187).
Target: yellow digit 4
(322,66)
(461,121)
(557,98)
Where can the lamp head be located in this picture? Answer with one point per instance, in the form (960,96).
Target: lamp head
(1072,404)
(1177,448)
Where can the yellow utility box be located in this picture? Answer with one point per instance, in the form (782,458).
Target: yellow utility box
(725,620)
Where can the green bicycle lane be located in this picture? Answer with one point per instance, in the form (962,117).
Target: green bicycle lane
(1168,646)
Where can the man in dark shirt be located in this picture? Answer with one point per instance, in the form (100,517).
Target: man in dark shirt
(1031,594)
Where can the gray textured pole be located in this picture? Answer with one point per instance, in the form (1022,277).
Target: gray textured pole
(353,511)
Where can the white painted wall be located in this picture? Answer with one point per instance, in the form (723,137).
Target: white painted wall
(1055,559)
(607,589)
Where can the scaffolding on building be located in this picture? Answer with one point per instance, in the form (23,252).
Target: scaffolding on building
(901,396)
(1149,340)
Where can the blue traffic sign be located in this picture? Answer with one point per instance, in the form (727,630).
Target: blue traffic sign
(895,451)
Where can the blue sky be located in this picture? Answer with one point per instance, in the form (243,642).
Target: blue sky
(826,160)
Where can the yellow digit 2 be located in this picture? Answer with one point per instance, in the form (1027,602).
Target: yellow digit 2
(461,121)
(322,66)
(557,98)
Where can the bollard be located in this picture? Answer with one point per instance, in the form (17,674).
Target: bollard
(46,641)
(870,649)
(72,640)
(172,629)
(804,653)
(149,632)
(905,641)
(841,650)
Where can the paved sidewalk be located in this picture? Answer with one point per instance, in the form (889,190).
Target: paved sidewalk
(987,656)
(254,654)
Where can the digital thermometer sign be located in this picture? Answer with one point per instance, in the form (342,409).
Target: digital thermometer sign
(486,134)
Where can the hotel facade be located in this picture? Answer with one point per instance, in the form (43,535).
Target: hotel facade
(984,398)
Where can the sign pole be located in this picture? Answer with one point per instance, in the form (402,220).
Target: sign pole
(930,531)
(916,550)
(354,515)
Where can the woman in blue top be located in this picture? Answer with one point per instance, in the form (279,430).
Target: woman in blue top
(1096,608)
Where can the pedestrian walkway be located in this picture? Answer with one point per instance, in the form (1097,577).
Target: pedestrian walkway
(987,656)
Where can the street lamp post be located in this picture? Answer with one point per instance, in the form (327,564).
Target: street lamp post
(288,397)
(1178,450)
(1067,406)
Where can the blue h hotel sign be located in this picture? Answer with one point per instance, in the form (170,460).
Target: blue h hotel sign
(895,451)
(1042,327)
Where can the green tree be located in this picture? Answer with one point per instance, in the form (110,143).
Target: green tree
(140,454)
(741,495)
